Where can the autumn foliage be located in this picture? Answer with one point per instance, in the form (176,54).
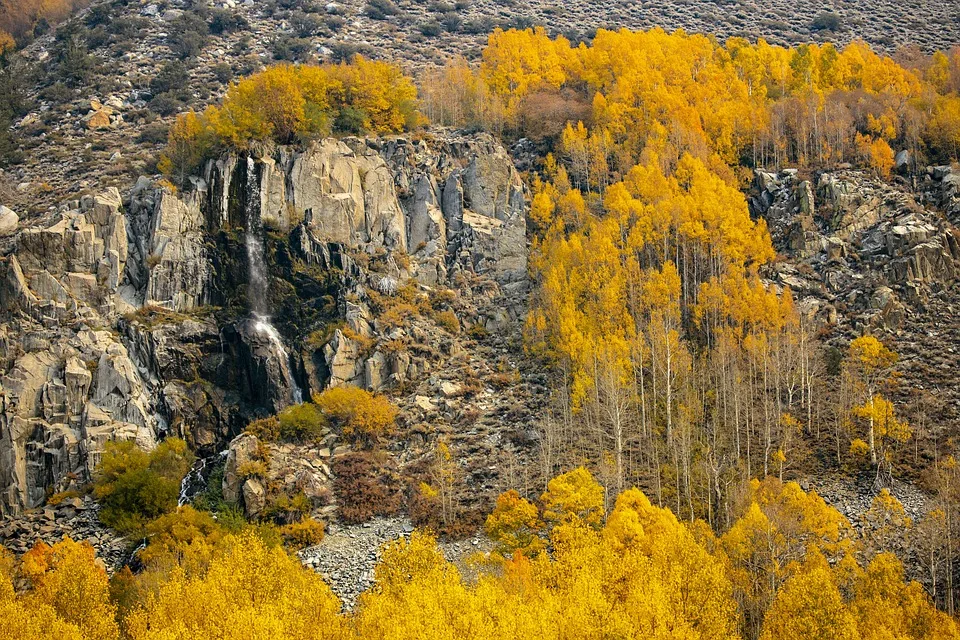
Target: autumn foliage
(674,93)
(67,595)
(361,415)
(788,567)
(19,18)
(289,103)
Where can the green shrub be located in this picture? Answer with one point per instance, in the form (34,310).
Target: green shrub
(232,519)
(286,47)
(165,104)
(188,35)
(226,21)
(303,422)
(72,62)
(252,469)
(223,72)
(380,9)
(134,487)
(431,28)
(172,78)
(59,498)
(298,423)
(155,133)
(286,509)
(306,24)
(350,120)
(827,21)
(211,498)
(478,331)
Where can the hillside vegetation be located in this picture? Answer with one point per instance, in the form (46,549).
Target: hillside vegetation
(645,94)
(679,368)
(289,103)
(22,20)
(684,370)
(788,567)
(685,389)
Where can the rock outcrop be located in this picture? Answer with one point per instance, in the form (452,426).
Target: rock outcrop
(283,469)
(130,319)
(866,244)
(453,204)
(68,383)
(876,257)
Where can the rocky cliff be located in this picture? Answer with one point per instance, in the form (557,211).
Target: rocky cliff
(864,255)
(141,315)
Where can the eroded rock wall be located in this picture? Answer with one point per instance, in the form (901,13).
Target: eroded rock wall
(123,317)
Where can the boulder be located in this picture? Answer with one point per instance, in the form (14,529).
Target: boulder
(8,222)
(902,160)
(449,389)
(243,449)
(342,358)
(98,119)
(254,497)
(807,203)
(374,369)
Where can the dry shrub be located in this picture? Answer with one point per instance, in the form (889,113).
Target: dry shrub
(544,114)
(448,321)
(398,315)
(365,486)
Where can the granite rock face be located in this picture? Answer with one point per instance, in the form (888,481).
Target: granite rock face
(455,203)
(68,383)
(128,316)
(875,256)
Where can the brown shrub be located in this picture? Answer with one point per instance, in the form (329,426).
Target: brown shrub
(365,486)
(398,315)
(448,321)
(544,114)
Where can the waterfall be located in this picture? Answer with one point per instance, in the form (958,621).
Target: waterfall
(253,239)
(133,554)
(194,477)
(259,281)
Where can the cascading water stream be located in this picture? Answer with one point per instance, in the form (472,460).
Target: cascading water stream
(194,477)
(259,282)
(258,286)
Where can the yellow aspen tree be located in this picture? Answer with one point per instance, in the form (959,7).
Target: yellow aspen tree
(810,606)
(249,591)
(67,578)
(515,525)
(869,364)
(884,429)
(573,498)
